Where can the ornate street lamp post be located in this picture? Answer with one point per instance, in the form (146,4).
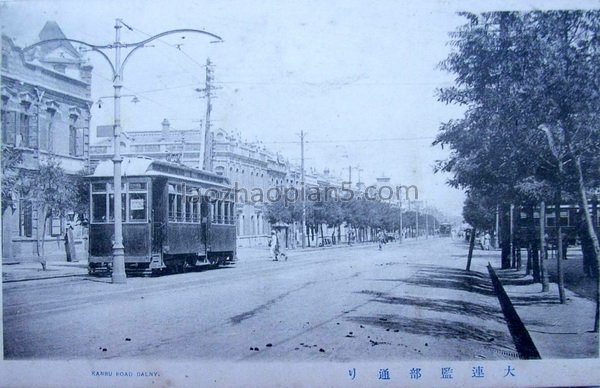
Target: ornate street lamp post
(118,266)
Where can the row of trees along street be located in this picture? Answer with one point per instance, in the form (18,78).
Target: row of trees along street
(529,83)
(363,216)
(45,192)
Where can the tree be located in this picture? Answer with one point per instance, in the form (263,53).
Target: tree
(11,184)
(478,211)
(52,193)
(529,83)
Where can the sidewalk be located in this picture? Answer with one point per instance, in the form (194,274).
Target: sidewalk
(557,330)
(32,270)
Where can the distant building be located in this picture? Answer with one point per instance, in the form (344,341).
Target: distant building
(45,111)
(174,145)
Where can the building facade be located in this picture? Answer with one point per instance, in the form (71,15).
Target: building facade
(174,145)
(45,110)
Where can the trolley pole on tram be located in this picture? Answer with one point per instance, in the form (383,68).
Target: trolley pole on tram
(118,250)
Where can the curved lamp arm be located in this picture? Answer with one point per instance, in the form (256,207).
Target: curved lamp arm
(95,48)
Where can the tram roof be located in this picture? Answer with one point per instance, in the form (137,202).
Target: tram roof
(142,166)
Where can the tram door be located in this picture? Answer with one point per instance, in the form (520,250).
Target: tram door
(158,213)
(205,215)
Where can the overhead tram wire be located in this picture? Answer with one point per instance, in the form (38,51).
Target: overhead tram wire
(139,94)
(351,140)
(178,48)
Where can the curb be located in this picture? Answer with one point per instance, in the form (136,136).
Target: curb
(523,342)
(43,278)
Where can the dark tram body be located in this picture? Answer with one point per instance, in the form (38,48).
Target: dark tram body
(174,217)
(570,219)
(445,230)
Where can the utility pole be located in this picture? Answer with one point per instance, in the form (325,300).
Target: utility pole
(400,235)
(417,219)
(350,175)
(117,66)
(426,221)
(303,183)
(206,163)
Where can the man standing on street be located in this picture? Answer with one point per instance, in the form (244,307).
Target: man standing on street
(274,244)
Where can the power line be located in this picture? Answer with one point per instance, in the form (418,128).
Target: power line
(352,140)
(178,48)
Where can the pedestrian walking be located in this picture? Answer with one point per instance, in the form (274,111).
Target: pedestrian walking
(274,245)
(381,238)
(486,241)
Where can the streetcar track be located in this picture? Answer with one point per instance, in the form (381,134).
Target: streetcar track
(45,306)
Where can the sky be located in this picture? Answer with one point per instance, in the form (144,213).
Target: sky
(359,77)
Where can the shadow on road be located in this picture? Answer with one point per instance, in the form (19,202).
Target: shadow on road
(438,328)
(450,306)
(448,278)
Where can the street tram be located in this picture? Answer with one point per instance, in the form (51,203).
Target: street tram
(174,217)
(570,219)
(445,230)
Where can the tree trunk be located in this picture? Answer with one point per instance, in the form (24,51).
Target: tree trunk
(41,247)
(513,253)
(535,258)
(322,238)
(559,248)
(505,236)
(471,246)
(543,249)
(583,203)
(529,265)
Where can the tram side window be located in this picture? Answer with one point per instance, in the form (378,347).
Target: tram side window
(98,207)
(192,204)
(196,208)
(219,212)
(175,203)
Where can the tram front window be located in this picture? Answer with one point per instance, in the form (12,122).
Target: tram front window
(111,207)
(137,207)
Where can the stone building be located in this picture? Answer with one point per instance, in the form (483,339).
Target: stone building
(175,145)
(252,169)
(46,97)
